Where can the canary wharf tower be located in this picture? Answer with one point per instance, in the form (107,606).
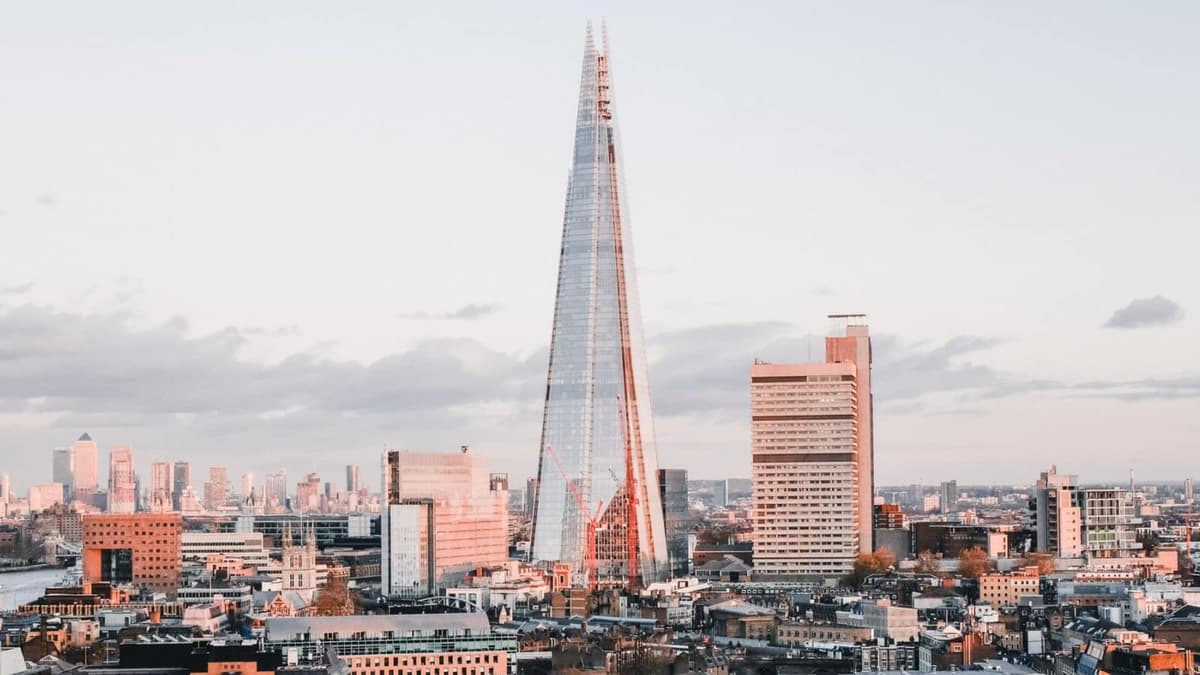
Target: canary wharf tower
(598,504)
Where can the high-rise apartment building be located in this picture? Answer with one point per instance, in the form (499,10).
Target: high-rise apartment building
(142,549)
(64,467)
(352,483)
(1109,525)
(949,496)
(443,515)
(1057,516)
(122,480)
(216,490)
(673,493)
(5,487)
(812,462)
(597,446)
(182,482)
(1188,493)
(85,469)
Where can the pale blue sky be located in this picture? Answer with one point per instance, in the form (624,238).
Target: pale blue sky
(320,176)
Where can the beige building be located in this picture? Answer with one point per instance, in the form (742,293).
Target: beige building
(812,461)
(889,621)
(796,633)
(1008,589)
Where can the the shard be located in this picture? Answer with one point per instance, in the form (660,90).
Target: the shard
(598,506)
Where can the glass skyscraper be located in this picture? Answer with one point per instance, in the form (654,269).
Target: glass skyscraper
(598,505)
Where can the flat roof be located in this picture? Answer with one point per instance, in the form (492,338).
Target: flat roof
(294,628)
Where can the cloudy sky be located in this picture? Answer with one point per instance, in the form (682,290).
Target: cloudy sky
(294,233)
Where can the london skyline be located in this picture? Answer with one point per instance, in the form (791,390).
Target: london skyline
(1017,229)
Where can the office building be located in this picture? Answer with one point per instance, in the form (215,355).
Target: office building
(248,547)
(141,549)
(44,496)
(308,494)
(64,469)
(597,445)
(1188,492)
(352,483)
(443,515)
(182,476)
(5,487)
(275,493)
(159,498)
(531,485)
(1057,516)
(330,530)
(216,490)
(85,469)
(949,496)
(122,481)
(673,493)
(812,462)
(400,644)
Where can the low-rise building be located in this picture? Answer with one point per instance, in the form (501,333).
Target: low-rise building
(741,619)
(399,644)
(246,546)
(1000,590)
(898,624)
(797,633)
(208,619)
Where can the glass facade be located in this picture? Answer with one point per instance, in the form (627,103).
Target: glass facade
(597,447)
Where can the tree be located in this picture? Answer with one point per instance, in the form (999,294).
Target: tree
(974,562)
(866,564)
(927,563)
(1044,562)
(334,599)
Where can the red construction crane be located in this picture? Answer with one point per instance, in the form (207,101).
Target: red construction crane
(631,523)
(589,553)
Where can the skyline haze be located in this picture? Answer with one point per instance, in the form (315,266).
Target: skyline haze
(257,238)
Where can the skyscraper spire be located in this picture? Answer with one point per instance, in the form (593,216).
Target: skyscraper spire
(598,505)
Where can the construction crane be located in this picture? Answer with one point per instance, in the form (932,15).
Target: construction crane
(631,524)
(589,551)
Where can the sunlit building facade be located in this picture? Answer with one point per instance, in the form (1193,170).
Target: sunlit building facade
(443,515)
(812,465)
(122,481)
(85,469)
(597,500)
